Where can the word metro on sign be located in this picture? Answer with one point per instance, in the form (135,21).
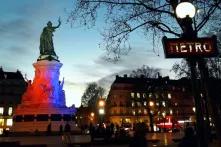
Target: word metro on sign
(183,48)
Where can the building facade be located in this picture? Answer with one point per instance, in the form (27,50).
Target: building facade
(12,87)
(153,101)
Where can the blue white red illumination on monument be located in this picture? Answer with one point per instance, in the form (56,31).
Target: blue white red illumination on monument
(43,103)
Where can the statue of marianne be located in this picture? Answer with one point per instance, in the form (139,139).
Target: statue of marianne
(46,40)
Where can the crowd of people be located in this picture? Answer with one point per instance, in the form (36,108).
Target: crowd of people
(110,132)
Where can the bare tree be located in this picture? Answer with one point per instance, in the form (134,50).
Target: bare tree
(146,71)
(91,94)
(153,17)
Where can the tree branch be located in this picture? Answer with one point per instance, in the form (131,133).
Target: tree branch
(167,30)
(133,3)
(207,17)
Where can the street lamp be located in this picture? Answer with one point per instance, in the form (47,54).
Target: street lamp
(185,11)
(101,103)
(101,108)
(101,111)
(151,105)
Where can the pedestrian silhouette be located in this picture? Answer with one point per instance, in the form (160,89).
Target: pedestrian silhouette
(67,127)
(49,129)
(60,129)
(189,139)
(67,135)
(139,139)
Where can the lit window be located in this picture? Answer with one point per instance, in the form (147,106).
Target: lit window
(138,104)
(201,94)
(132,94)
(139,111)
(183,89)
(164,114)
(169,96)
(150,95)
(194,109)
(138,95)
(10,111)
(132,104)
(1,110)
(157,96)
(1,122)
(134,113)
(144,103)
(171,112)
(176,104)
(9,122)
(1,131)
(145,111)
(163,103)
(144,95)
(157,104)
(151,103)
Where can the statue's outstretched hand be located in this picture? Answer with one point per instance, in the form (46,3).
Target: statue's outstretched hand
(59,20)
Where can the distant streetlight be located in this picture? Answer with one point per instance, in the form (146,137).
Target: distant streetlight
(101,111)
(92,114)
(101,108)
(101,103)
(185,9)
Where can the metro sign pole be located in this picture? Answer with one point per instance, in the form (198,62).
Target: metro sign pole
(194,50)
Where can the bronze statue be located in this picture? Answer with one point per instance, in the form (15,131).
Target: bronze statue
(46,42)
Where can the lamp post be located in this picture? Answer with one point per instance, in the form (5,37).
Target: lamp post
(185,11)
(101,109)
(150,107)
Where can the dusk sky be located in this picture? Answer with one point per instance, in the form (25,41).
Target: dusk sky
(78,49)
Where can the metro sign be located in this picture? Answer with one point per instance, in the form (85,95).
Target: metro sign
(185,48)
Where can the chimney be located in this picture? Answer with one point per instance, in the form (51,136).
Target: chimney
(125,75)
(159,76)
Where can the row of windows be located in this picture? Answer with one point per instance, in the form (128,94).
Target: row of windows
(8,122)
(145,112)
(2,109)
(43,117)
(144,95)
(139,104)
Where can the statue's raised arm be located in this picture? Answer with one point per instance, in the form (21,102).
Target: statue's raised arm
(59,23)
(46,42)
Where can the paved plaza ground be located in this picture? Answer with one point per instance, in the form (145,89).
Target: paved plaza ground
(56,141)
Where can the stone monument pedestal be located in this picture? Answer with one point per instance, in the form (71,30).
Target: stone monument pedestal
(43,103)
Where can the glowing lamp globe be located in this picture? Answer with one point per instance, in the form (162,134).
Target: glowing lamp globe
(101,111)
(101,103)
(185,9)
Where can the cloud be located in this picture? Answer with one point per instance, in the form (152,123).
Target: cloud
(19,29)
(70,83)
(18,50)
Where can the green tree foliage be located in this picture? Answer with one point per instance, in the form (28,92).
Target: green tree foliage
(91,94)
(153,18)
(146,71)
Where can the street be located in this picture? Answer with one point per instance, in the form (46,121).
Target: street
(56,141)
